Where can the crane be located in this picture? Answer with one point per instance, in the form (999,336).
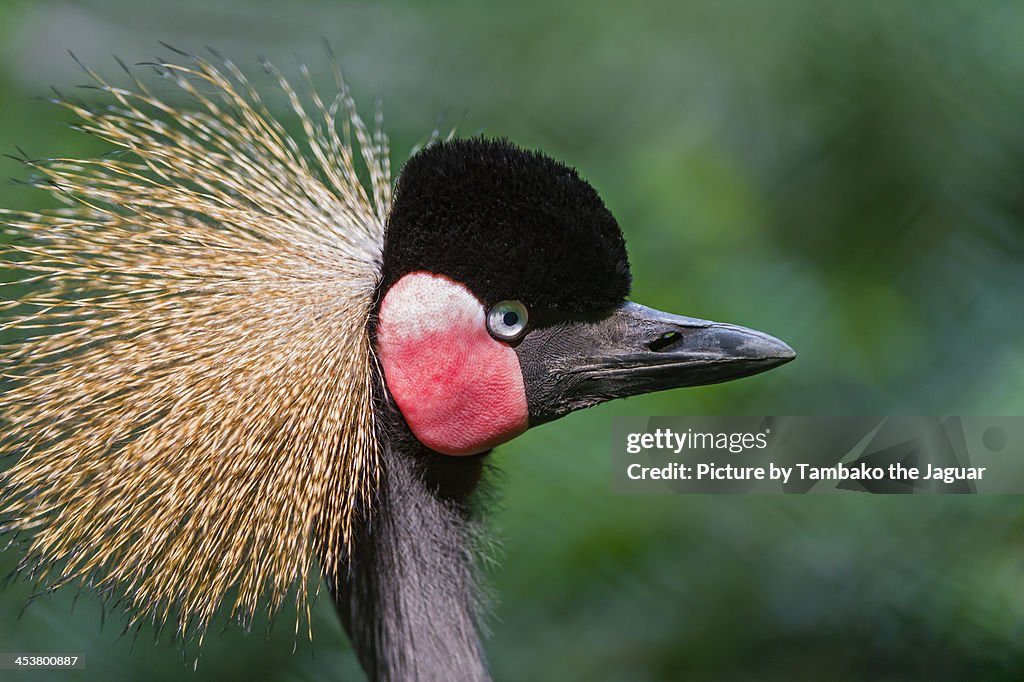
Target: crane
(238,358)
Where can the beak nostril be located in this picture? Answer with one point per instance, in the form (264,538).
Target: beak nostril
(664,341)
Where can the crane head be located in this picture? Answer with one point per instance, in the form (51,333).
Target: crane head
(502,303)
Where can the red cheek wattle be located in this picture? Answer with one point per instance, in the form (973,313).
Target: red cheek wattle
(459,389)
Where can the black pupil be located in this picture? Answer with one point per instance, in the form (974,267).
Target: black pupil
(511,318)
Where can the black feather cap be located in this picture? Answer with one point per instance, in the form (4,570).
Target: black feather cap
(509,224)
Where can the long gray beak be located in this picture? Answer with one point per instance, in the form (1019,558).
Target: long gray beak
(570,364)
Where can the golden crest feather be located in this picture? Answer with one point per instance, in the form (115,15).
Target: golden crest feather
(188,370)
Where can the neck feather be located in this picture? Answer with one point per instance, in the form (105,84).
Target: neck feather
(407,599)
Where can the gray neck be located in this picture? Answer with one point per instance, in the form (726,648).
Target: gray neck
(408,600)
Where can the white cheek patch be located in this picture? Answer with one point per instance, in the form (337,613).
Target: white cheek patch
(421,304)
(460,390)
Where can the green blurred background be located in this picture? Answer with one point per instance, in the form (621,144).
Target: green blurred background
(846,176)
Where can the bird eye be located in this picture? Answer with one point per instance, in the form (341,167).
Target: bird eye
(507,320)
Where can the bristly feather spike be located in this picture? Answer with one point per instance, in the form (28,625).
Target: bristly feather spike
(194,427)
